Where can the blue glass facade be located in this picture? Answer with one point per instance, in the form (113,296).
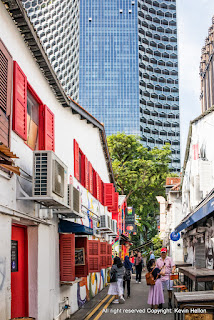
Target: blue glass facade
(109,69)
(158,72)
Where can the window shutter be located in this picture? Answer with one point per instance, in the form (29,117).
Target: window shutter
(108,194)
(94,183)
(103,255)
(90,174)
(109,255)
(98,186)
(76,160)
(19,102)
(67,257)
(102,192)
(86,174)
(93,256)
(116,198)
(6,68)
(82,271)
(82,169)
(46,129)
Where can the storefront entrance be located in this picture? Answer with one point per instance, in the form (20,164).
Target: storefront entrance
(19,272)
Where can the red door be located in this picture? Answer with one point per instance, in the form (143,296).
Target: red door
(19,272)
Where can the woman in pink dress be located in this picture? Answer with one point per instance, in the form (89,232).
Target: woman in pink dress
(155,296)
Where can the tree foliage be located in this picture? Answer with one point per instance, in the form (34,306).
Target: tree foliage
(140,174)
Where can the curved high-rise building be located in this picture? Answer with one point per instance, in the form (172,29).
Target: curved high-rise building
(118,58)
(57,25)
(158,73)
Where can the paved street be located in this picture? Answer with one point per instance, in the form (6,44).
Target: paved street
(136,307)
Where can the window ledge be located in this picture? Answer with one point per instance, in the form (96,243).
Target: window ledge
(70,283)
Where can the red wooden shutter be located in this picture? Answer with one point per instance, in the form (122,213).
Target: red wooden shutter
(6,66)
(116,199)
(76,160)
(98,186)
(102,192)
(19,102)
(103,255)
(82,242)
(108,194)
(46,129)
(82,168)
(6,69)
(67,257)
(90,173)
(109,255)
(93,256)
(49,129)
(94,183)
(86,173)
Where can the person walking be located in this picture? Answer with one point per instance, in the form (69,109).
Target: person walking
(152,256)
(156,296)
(170,267)
(116,281)
(138,266)
(131,259)
(127,276)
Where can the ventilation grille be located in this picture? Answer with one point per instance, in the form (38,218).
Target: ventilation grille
(103,261)
(40,171)
(58,179)
(103,221)
(108,222)
(69,195)
(76,200)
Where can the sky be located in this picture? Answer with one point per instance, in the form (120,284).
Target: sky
(194,17)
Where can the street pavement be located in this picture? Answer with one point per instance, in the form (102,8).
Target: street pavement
(136,306)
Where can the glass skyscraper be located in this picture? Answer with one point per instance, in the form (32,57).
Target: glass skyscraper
(57,25)
(109,70)
(158,72)
(118,58)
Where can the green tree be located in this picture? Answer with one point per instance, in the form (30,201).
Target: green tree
(157,245)
(140,174)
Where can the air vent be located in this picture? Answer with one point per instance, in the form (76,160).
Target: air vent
(58,179)
(76,200)
(74,204)
(49,180)
(40,174)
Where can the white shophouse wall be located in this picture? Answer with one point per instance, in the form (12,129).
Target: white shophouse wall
(197,182)
(43,241)
(174,214)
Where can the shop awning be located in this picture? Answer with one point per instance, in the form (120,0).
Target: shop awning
(202,210)
(66,226)
(124,239)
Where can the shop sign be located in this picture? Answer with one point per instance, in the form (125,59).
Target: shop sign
(14,256)
(175,236)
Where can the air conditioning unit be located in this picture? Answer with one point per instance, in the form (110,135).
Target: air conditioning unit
(74,203)
(49,180)
(105,223)
(113,228)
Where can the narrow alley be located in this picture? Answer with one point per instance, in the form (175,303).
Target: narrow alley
(134,308)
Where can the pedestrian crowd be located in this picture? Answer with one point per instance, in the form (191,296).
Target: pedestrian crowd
(157,277)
